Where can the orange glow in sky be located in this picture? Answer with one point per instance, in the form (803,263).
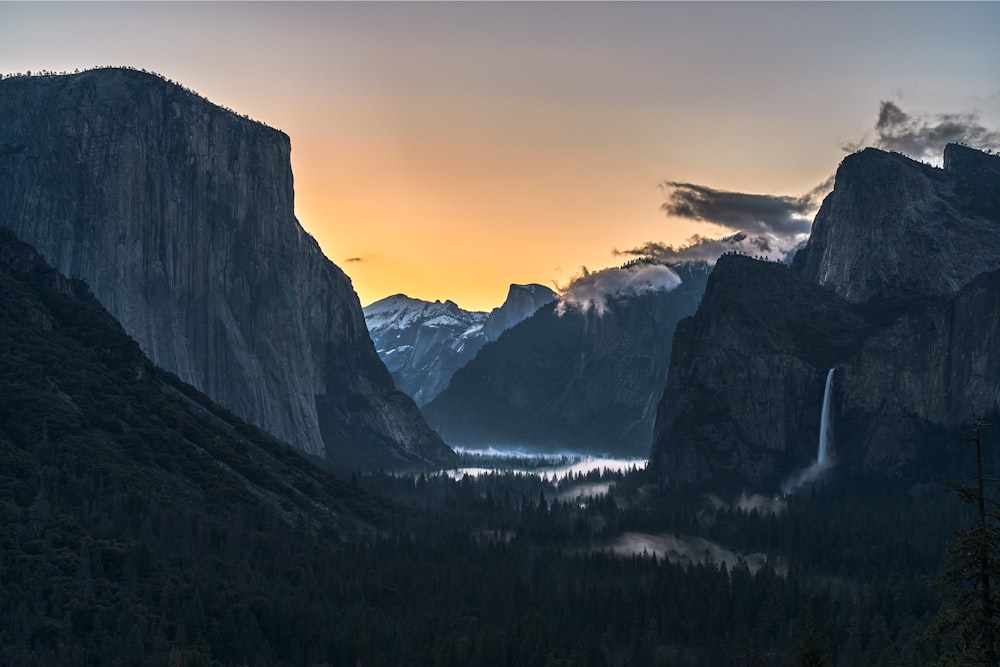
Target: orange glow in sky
(446,150)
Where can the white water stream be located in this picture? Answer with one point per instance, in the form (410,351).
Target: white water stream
(822,462)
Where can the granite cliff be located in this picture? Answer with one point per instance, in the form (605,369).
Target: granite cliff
(179,214)
(897,290)
(580,381)
(893,225)
(522,302)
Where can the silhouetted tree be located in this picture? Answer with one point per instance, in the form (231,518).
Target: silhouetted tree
(970,615)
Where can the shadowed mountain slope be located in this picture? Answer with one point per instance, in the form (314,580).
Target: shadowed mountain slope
(579,382)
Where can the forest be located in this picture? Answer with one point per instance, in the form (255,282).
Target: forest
(140,524)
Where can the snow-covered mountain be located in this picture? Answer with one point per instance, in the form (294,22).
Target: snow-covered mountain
(423,343)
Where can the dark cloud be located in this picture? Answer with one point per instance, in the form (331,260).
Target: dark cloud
(740,211)
(352,260)
(923,136)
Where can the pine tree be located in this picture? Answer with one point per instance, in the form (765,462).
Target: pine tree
(970,615)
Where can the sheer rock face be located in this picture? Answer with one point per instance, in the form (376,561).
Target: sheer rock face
(892,224)
(914,336)
(522,302)
(179,214)
(577,382)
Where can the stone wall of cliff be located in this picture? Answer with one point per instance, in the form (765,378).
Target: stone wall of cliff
(179,214)
(897,290)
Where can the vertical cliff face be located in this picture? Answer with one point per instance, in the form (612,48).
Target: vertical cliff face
(894,225)
(522,302)
(179,214)
(897,290)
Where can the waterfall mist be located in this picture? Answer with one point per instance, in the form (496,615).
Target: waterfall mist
(822,462)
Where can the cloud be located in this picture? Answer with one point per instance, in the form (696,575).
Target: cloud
(775,226)
(740,211)
(352,260)
(806,476)
(745,503)
(684,549)
(766,226)
(704,249)
(593,290)
(923,136)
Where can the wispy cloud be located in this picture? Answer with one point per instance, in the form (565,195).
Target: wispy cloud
(705,249)
(683,549)
(592,290)
(353,260)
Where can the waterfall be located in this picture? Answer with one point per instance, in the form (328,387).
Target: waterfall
(822,462)
(824,422)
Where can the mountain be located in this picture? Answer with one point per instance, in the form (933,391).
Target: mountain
(423,343)
(910,328)
(578,381)
(179,214)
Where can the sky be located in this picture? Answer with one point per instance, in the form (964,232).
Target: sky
(446,150)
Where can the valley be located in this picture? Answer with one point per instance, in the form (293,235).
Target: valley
(213,456)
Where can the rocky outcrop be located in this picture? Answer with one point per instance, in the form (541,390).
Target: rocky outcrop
(179,214)
(423,343)
(580,381)
(912,336)
(522,302)
(894,225)
(742,400)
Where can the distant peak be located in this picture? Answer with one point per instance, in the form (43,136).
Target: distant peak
(533,288)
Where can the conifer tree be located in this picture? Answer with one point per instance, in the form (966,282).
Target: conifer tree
(970,615)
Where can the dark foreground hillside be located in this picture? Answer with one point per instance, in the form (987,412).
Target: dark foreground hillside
(129,502)
(142,525)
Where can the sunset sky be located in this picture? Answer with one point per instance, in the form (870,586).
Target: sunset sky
(445,150)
